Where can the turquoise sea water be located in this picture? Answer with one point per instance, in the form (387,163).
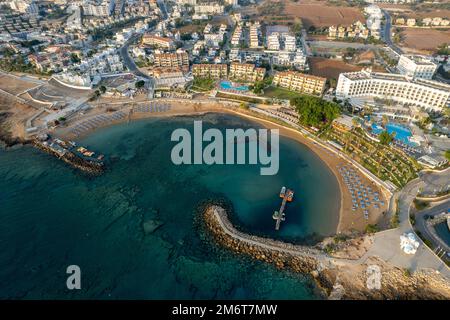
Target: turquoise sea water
(134,231)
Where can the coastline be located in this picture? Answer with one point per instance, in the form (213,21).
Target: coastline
(347,221)
(338,278)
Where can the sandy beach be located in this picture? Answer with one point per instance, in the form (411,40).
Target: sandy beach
(348,220)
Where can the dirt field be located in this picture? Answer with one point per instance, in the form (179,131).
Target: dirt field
(319,14)
(422,12)
(14,85)
(329,68)
(12,119)
(424,39)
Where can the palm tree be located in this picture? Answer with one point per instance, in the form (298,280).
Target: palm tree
(384,120)
(347,137)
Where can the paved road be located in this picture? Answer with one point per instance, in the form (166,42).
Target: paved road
(162,7)
(422,226)
(129,63)
(338,44)
(387,243)
(387,33)
(435,182)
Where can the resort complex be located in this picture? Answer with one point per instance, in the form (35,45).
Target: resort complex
(300,82)
(426,94)
(110,108)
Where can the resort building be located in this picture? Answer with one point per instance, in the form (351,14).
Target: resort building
(152,40)
(416,66)
(300,82)
(246,72)
(418,92)
(213,71)
(171,60)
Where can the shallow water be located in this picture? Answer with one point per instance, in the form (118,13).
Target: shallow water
(134,230)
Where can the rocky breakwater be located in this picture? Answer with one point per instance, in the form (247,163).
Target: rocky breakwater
(300,259)
(63,151)
(340,276)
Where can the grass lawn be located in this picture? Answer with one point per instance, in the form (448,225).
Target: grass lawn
(280,93)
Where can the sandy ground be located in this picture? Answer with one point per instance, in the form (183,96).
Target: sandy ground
(348,219)
(419,13)
(329,68)
(15,85)
(320,14)
(13,116)
(426,40)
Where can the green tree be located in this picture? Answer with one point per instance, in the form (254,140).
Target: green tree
(386,138)
(139,84)
(447,154)
(314,111)
(74,58)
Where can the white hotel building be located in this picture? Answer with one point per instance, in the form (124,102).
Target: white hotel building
(416,66)
(427,94)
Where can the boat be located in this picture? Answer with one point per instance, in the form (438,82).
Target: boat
(282,192)
(290,195)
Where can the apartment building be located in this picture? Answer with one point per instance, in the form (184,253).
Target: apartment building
(273,41)
(98,9)
(255,35)
(300,82)
(213,71)
(356,30)
(237,36)
(427,94)
(416,66)
(290,43)
(172,60)
(246,72)
(29,7)
(295,59)
(160,42)
(213,8)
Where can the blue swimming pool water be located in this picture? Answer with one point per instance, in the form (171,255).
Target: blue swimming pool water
(227,85)
(402,134)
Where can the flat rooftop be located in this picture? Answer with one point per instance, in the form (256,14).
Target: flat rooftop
(420,60)
(364,75)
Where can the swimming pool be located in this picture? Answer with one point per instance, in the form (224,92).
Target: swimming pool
(227,85)
(402,133)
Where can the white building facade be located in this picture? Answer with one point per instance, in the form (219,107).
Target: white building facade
(416,66)
(427,94)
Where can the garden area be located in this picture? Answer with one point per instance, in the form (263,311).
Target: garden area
(203,84)
(280,93)
(384,161)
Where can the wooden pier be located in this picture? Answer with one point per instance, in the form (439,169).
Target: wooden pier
(278,216)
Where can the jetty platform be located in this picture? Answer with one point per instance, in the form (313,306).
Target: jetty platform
(287,195)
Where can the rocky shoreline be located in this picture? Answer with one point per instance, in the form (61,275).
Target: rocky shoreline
(73,160)
(338,278)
